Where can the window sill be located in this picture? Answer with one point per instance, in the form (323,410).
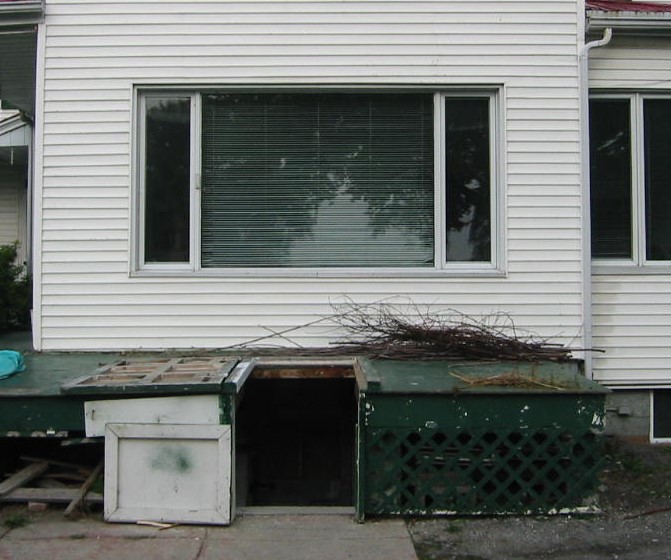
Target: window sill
(603,269)
(461,272)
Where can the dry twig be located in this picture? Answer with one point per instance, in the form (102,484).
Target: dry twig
(389,331)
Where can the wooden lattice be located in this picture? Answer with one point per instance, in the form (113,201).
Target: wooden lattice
(432,471)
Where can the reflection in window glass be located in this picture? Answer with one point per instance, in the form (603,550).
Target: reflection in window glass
(657,123)
(610,178)
(167,179)
(317,180)
(468,175)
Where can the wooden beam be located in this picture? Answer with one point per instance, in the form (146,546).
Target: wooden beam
(50,495)
(63,464)
(83,489)
(24,475)
(302,372)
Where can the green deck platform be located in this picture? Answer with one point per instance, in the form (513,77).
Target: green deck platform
(431,437)
(31,403)
(478,437)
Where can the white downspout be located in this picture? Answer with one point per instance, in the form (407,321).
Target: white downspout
(585,179)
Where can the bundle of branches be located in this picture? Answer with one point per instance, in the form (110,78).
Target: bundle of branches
(389,331)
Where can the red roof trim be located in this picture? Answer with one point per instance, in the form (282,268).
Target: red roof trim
(623,6)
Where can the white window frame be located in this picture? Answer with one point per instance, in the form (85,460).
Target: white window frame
(654,439)
(638,263)
(493,267)
(194,186)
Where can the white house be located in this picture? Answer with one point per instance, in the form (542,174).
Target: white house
(430,150)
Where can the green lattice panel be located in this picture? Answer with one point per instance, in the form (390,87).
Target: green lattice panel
(426,471)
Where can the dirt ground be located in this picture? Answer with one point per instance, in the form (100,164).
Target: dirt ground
(634,498)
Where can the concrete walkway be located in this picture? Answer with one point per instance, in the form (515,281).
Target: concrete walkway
(255,537)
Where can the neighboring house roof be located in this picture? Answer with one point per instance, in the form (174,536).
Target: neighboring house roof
(623,6)
(632,17)
(14,131)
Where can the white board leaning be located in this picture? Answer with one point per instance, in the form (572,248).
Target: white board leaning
(169,473)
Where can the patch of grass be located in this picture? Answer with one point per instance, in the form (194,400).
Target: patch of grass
(454,528)
(99,485)
(634,465)
(16,520)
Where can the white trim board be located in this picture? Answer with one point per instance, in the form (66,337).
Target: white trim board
(168,473)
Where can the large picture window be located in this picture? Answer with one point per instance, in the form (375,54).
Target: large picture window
(630,154)
(238,181)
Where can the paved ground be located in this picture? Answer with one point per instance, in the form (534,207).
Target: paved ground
(259,537)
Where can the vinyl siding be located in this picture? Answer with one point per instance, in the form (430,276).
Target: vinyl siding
(96,52)
(9,206)
(636,63)
(632,313)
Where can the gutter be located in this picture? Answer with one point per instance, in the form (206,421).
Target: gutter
(23,12)
(629,22)
(586,206)
(22,7)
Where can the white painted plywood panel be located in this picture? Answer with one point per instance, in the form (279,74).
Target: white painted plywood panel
(194,409)
(170,473)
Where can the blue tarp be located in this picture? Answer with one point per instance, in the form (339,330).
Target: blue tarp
(10,363)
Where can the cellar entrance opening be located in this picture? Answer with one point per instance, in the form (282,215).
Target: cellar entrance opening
(295,438)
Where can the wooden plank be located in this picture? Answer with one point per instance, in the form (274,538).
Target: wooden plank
(50,495)
(188,409)
(178,375)
(73,466)
(304,361)
(360,376)
(83,489)
(20,478)
(303,372)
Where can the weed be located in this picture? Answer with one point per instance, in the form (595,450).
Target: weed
(15,521)
(453,528)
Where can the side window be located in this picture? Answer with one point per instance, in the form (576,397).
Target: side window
(610,178)
(630,166)
(657,164)
(468,131)
(166,179)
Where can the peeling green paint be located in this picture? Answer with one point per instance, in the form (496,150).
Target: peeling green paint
(172,458)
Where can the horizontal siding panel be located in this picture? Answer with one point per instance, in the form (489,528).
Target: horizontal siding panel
(87,270)
(550,244)
(531,226)
(626,62)
(88,139)
(633,378)
(224,287)
(87,150)
(172,319)
(324,6)
(9,210)
(661,365)
(632,322)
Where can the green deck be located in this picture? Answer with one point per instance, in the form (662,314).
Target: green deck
(31,402)
(443,377)
(435,439)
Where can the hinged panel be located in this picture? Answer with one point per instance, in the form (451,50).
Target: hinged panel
(161,375)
